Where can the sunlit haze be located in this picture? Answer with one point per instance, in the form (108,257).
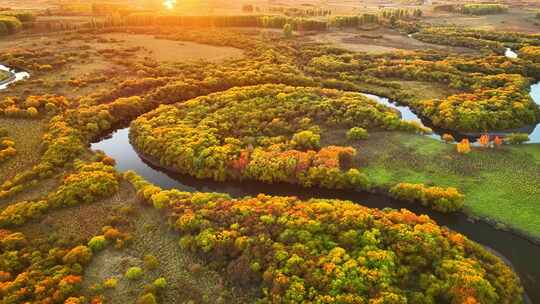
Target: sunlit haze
(169,4)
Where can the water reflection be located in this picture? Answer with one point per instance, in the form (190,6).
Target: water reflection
(16,75)
(408,114)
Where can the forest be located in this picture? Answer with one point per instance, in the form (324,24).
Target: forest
(304,171)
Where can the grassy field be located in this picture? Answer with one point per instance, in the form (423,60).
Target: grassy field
(169,50)
(501,184)
(516,20)
(379,41)
(27,135)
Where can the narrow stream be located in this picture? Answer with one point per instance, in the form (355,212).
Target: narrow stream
(519,252)
(408,114)
(509,53)
(16,75)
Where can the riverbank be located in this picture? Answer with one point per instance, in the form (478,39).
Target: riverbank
(9,76)
(517,250)
(500,184)
(512,212)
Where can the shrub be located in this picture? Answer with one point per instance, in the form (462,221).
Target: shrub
(97,243)
(463,147)
(160,283)
(110,283)
(448,138)
(305,140)
(10,25)
(531,53)
(437,198)
(287,30)
(357,133)
(134,273)
(147,298)
(80,254)
(150,262)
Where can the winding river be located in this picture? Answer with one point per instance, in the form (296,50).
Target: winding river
(518,252)
(408,114)
(15,75)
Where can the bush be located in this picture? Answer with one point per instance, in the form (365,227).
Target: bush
(110,283)
(134,273)
(531,53)
(307,140)
(80,254)
(9,25)
(448,138)
(160,283)
(150,262)
(287,30)
(148,298)
(437,198)
(97,243)
(357,133)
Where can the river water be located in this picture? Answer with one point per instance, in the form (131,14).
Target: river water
(408,114)
(519,252)
(16,75)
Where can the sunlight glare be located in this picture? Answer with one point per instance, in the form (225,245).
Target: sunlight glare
(169,4)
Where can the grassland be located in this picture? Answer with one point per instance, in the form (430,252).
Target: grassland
(174,51)
(500,184)
(380,40)
(27,136)
(516,20)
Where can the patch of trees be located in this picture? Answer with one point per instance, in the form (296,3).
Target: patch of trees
(473,8)
(437,198)
(44,272)
(90,182)
(477,39)
(531,53)
(277,141)
(441,36)
(9,25)
(354,21)
(484,9)
(497,102)
(492,93)
(33,106)
(224,21)
(330,251)
(300,12)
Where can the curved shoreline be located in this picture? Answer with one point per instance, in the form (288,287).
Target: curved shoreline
(514,247)
(375,190)
(15,75)
(409,113)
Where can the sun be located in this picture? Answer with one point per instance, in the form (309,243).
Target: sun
(169,4)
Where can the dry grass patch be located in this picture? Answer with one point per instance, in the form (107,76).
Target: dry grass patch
(169,50)
(379,41)
(27,134)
